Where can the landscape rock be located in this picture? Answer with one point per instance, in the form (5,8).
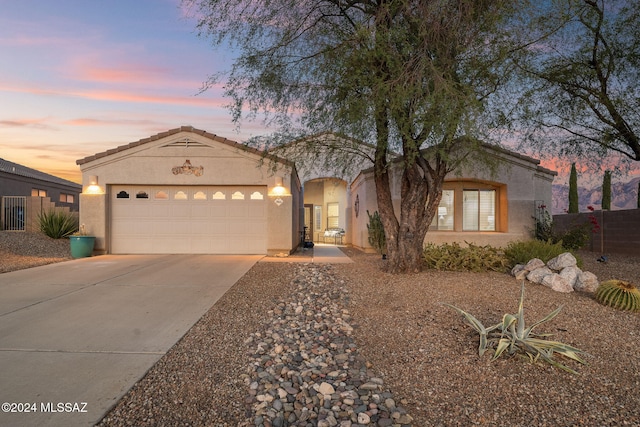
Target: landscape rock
(306,368)
(557,283)
(570,274)
(519,272)
(538,274)
(586,282)
(534,264)
(562,261)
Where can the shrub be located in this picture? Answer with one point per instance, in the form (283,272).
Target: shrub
(575,238)
(511,337)
(618,294)
(523,251)
(453,257)
(57,224)
(377,239)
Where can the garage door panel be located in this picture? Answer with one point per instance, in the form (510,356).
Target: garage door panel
(218,210)
(201,219)
(238,210)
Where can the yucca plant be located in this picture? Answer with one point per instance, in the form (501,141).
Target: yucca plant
(57,224)
(618,294)
(511,336)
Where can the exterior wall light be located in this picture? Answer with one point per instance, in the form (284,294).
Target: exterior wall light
(93,187)
(279,189)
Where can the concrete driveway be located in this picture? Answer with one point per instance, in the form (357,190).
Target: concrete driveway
(75,336)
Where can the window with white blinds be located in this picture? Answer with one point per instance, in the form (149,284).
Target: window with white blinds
(333,215)
(479,210)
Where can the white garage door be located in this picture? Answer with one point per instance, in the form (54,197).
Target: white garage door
(180,220)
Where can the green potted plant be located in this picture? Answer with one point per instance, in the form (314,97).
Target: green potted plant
(81,243)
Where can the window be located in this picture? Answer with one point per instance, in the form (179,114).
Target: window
(218,195)
(180,195)
(199,195)
(161,195)
(66,198)
(443,220)
(35,192)
(122,195)
(333,215)
(256,195)
(479,210)
(142,195)
(317,220)
(238,195)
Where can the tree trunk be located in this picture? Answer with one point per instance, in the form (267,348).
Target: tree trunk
(420,197)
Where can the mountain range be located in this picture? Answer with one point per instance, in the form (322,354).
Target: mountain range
(624,195)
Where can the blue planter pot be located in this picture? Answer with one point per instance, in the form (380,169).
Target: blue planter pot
(82,246)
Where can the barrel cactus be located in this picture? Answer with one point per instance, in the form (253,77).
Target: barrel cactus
(619,294)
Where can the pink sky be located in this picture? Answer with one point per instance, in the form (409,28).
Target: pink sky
(79,77)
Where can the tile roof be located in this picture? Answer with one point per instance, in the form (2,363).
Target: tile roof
(156,137)
(17,169)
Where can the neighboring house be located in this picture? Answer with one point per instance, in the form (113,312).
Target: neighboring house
(20,186)
(188,191)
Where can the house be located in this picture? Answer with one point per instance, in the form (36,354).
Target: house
(22,187)
(189,191)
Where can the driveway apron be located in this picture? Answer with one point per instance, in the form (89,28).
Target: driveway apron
(76,336)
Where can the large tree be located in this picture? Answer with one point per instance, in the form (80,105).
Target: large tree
(582,75)
(411,77)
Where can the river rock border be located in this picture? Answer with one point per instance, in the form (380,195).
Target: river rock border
(560,274)
(306,368)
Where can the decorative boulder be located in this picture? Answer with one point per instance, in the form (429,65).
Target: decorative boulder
(570,274)
(586,282)
(562,261)
(538,274)
(557,283)
(519,272)
(534,264)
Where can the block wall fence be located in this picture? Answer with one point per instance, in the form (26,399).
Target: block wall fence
(619,230)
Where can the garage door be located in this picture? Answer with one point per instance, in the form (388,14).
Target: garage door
(180,220)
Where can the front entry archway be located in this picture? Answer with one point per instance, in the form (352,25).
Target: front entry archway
(325,210)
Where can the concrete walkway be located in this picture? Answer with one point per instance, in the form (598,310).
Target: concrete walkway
(76,336)
(321,253)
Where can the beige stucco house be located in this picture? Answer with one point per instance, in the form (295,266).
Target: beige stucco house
(189,191)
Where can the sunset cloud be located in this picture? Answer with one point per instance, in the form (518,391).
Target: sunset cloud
(40,124)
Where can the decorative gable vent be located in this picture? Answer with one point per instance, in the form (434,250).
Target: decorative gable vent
(186,143)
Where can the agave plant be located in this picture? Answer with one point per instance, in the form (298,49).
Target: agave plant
(511,336)
(619,294)
(57,224)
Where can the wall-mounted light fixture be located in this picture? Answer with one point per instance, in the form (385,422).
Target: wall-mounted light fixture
(93,187)
(279,189)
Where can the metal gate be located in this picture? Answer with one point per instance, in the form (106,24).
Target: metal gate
(13,213)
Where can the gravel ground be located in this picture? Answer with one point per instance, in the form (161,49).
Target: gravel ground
(422,351)
(20,250)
